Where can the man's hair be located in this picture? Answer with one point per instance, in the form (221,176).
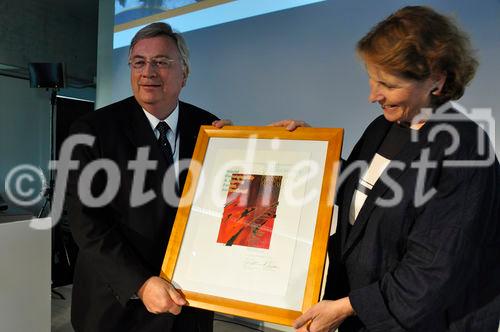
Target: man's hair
(416,42)
(160,29)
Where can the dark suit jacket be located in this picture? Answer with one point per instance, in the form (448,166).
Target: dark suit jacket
(422,267)
(121,246)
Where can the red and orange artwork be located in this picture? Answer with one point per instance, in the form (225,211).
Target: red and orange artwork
(250,210)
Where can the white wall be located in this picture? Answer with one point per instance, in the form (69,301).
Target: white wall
(25,275)
(300,63)
(105,54)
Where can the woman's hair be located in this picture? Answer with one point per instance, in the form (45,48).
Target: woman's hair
(416,42)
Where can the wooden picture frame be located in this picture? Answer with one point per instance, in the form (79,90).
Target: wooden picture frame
(250,280)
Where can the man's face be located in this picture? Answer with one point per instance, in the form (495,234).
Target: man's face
(157,89)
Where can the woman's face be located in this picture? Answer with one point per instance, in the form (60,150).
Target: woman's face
(400,98)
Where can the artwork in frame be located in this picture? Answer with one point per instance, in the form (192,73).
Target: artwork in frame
(249,211)
(252,227)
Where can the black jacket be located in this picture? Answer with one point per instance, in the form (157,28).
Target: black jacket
(433,266)
(121,246)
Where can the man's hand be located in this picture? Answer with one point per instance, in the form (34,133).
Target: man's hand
(324,316)
(290,124)
(221,123)
(159,296)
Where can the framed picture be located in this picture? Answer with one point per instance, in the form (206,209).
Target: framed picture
(251,231)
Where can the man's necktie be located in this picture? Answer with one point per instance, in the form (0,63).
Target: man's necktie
(165,147)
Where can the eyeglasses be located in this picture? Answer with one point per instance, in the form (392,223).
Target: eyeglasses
(156,63)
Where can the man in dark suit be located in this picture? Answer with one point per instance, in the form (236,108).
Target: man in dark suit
(122,243)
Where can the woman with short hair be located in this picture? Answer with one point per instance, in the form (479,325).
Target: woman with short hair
(417,245)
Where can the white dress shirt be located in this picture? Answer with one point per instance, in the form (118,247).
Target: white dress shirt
(172,134)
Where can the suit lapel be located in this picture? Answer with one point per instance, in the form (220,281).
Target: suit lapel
(188,133)
(371,141)
(138,130)
(408,153)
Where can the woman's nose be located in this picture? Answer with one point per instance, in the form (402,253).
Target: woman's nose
(375,94)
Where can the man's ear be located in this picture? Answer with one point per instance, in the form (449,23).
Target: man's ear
(184,77)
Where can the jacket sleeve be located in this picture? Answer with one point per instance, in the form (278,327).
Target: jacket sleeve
(337,285)
(96,229)
(442,253)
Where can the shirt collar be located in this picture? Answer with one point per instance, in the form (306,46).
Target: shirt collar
(171,120)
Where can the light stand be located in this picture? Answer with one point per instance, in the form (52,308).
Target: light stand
(51,76)
(49,189)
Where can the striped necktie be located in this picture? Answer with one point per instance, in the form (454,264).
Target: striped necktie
(163,142)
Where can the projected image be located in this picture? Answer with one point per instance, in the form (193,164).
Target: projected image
(130,10)
(189,15)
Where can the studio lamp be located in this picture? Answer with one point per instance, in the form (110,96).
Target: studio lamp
(48,76)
